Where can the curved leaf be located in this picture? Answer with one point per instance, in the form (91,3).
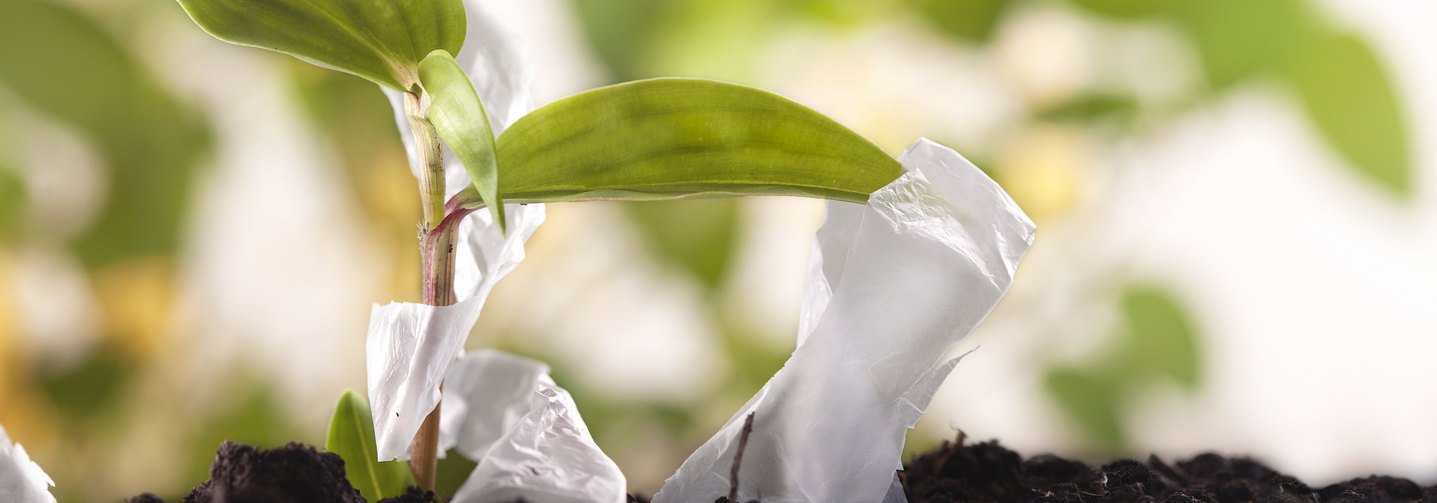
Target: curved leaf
(1352,100)
(380,40)
(670,138)
(458,116)
(351,436)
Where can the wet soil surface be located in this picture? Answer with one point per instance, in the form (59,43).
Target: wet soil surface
(959,471)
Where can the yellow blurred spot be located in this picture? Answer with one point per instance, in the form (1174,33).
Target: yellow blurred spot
(137,299)
(1043,169)
(24,416)
(9,330)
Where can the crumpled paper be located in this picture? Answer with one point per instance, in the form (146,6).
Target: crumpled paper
(525,433)
(410,346)
(21,480)
(896,285)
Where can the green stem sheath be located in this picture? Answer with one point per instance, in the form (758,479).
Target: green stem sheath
(437,257)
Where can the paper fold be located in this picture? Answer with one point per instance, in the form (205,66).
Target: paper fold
(21,480)
(526,434)
(894,287)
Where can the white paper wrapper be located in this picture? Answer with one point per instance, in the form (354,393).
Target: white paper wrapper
(526,434)
(904,279)
(497,68)
(410,346)
(488,392)
(21,480)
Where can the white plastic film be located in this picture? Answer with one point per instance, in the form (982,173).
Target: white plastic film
(908,277)
(21,480)
(410,346)
(525,433)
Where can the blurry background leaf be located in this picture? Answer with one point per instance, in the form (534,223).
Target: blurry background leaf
(966,20)
(1156,343)
(150,142)
(86,390)
(1093,107)
(621,32)
(249,414)
(696,236)
(12,206)
(1129,9)
(1160,338)
(382,41)
(667,138)
(351,436)
(1237,39)
(1093,402)
(1352,101)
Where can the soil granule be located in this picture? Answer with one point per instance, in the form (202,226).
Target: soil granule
(986,471)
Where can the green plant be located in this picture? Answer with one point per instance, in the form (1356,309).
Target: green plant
(651,139)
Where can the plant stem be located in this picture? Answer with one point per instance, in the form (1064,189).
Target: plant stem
(436,251)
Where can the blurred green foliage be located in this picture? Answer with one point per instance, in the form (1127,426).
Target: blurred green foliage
(696,236)
(86,391)
(12,206)
(150,141)
(1341,83)
(250,413)
(1157,341)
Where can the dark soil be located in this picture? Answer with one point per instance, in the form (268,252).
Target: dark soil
(292,473)
(986,471)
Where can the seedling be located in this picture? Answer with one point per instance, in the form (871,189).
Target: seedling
(644,140)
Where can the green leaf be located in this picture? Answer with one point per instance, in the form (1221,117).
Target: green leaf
(1351,99)
(671,138)
(351,436)
(380,40)
(458,116)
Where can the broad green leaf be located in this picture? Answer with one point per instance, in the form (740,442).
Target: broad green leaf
(670,138)
(1351,99)
(351,436)
(59,63)
(458,116)
(380,40)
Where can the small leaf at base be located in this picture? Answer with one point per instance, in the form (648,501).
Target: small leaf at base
(351,436)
